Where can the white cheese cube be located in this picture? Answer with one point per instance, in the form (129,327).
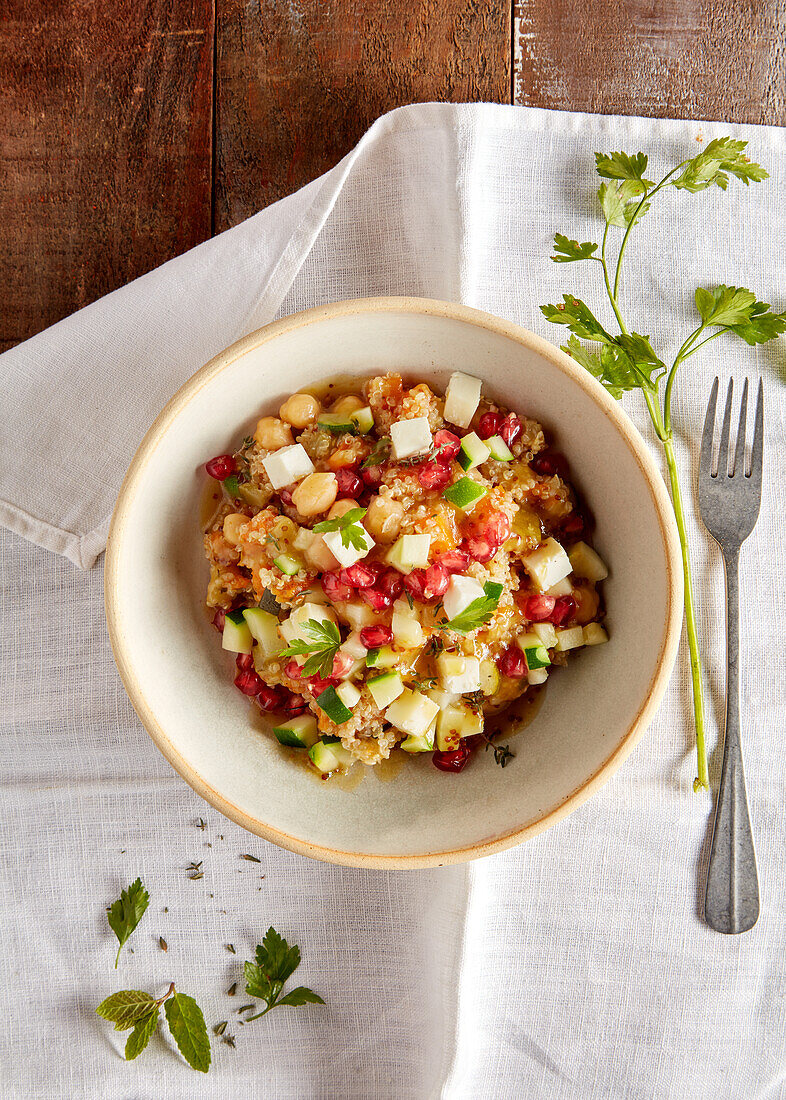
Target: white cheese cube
(538,676)
(410,437)
(594,634)
(414,550)
(348,555)
(586,563)
(359,615)
(460,593)
(458,674)
(561,588)
(288,465)
(462,398)
(412,713)
(292,627)
(570,638)
(547,565)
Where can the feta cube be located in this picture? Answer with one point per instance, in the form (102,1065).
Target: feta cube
(287,465)
(561,588)
(462,398)
(460,593)
(348,555)
(458,674)
(412,713)
(547,565)
(410,437)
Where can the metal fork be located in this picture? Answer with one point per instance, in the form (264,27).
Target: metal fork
(729,500)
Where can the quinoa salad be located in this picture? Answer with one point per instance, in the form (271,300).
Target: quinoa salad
(393,569)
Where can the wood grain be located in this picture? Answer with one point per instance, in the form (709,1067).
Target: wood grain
(105,148)
(702,59)
(298,81)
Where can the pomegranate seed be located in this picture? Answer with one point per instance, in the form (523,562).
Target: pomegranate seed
(318,684)
(490,424)
(391,584)
(218,619)
(349,484)
(248,682)
(498,528)
(415,583)
(373,637)
(292,669)
(432,475)
(480,549)
(286,496)
(512,664)
(376,598)
(455,561)
(294,705)
(539,608)
(342,663)
(372,475)
(550,463)
(511,429)
(358,576)
(268,699)
(446,446)
(335,588)
(244,660)
(564,609)
(427,584)
(221,466)
(454,761)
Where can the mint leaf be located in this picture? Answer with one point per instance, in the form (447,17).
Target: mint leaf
(187,1025)
(140,1036)
(578,317)
(476,613)
(125,913)
(125,1008)
(622,166)
(568,251)
(300,996)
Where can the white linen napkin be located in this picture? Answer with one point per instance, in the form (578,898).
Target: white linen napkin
(585,970)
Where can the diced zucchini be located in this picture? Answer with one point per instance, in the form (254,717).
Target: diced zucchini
(472,452)
(499,449)
(412,712)
(460,594)
(453,723)
(331,704)
(298,733)
(594,634)
(231,486)
(538,676)
(489,678)
(348,555)
(571,638)
(462,398)
(407,630)
(536,657)
(329,755)
(424,743)
(409,552)
(410,437)
(548,564)
(458,674)
(237,636)
(382,657)
(287,465)
(253,495)
(287,565)
(384,689)
(338,423)
(545,633)
(363,419)
(348,694)
(264,630)
(586,563)
(464,493)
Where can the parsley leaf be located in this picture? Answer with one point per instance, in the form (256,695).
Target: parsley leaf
(578,317)
(622,166)
(712,164)
(610,365)
(476,613)
(568,251)
(275,962)
(737,310)
(125,913)
(325,640)
(352,534)
(378,455)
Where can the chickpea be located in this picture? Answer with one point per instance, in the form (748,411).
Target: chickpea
(587,601)
(383,519)
(272,433)
(300,410)
(232,525)
(347,404)
(315,494)
(341,507)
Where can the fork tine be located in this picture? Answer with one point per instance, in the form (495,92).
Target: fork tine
(738,462)
(758,437)
(723,451)
(705,455)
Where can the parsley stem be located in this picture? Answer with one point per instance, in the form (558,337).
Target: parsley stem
(644,198)
(612,296)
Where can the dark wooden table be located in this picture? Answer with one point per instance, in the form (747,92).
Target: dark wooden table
(134,129)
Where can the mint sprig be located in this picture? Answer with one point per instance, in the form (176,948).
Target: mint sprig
(134,1009)
(125,913)
(275,961)
(325,640)
(626,360)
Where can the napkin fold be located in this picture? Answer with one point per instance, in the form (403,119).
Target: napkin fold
(575,967)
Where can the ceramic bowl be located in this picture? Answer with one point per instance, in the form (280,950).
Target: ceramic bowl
(180,681)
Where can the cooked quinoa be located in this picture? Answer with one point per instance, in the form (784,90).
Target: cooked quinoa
(428,560)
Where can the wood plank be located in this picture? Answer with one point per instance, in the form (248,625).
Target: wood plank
(298,81)
(676,58)
(105,148)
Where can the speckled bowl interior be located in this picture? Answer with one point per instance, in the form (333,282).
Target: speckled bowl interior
(180,681)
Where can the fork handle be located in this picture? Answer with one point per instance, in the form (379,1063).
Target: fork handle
(732,899)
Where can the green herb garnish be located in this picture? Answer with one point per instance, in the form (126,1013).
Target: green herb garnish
(325,640)
(351,533)
(378,455)
(231,485)
(502,753)
(265,978)
(476,613)
(125,913)
(627,361)
(134,1009)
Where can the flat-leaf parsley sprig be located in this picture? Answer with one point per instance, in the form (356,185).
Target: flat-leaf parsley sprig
(477,613)
(627,360)
(352,534)
(323,646)
(274,962)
